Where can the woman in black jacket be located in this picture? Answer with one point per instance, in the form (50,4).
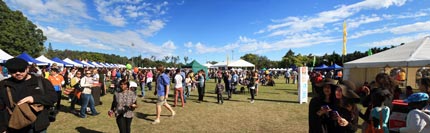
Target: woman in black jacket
(320,106)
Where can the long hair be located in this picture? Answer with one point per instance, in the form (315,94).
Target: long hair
(385,82)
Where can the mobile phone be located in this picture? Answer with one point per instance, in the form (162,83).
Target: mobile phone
(326,107)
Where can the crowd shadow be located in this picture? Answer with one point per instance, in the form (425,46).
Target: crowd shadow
(86,130)
(272,100)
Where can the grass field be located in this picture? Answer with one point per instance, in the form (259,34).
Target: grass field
(275,110)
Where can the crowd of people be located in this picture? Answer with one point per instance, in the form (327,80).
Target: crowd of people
(334,106)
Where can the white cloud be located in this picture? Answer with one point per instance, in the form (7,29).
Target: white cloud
(396,40)
(153,26)
(368,32)
(169,45)
(52,9)
(416,27)
(363,20)
(294,25)
(188,44)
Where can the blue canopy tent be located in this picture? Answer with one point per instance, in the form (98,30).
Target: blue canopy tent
(56,59)
(78,61)
(335,67)
(31,60)
(322,67)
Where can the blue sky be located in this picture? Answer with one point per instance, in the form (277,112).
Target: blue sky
(209,30)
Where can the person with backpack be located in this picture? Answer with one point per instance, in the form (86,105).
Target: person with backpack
(77,91)
(24,89)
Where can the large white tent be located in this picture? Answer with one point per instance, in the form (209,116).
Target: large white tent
(42,58)
(410,56)
(240,63)
(4,56)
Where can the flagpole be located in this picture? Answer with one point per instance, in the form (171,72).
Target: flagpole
(344,42)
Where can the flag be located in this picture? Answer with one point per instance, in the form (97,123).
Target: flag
(369,52)
(227,59)
(344,38)
(313,62)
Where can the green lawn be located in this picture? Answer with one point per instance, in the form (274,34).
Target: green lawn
(275,110)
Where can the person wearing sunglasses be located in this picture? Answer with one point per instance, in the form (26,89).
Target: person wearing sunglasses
(86,96)
(24,88)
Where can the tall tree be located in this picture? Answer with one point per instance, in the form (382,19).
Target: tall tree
(186,59)
(18,34)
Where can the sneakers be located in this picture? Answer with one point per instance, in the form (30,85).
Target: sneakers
(156,121)
(252,101)
(95,114)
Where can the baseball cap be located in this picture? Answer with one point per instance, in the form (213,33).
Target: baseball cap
(16,64)
(417,97)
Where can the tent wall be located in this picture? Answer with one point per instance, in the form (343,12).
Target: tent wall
(361,75)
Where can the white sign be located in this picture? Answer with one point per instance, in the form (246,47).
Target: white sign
(303,84)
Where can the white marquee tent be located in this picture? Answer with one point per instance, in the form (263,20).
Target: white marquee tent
(240,63)
(4,56)
(43,58)
(410,56)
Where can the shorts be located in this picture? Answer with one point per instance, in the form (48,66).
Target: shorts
(161,100)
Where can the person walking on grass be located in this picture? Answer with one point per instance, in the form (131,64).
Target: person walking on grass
(162,92)
(201,86)
(251,86)
(123,105)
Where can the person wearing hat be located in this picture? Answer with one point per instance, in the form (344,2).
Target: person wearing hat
(345,111)
(417,121)
(320,106)
(24,88)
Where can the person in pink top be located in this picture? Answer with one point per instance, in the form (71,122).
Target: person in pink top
(149,79)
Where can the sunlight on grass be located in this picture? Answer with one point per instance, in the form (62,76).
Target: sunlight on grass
(275,110)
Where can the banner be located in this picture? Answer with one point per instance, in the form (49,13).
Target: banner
(302,85)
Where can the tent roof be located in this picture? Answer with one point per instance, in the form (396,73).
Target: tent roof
(193,64)
(335,66)
(323,66)
(241,63)
(77,64)
(43,58)
(56,59)
(87,64)
(4,56)
(30,59)
(410,54)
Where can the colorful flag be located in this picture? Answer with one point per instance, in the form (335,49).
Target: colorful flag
(344,38)
(369,52)
(313,63)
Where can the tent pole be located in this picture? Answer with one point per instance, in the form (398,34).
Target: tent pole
(407,69)
(365,75)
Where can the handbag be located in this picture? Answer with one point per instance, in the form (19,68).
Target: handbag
(21,116)
(67,91)
(371,128)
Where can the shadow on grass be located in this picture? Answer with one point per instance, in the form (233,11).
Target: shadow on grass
(272,100)
(85,130)
(144,116)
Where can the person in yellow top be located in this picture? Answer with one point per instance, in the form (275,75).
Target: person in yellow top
(57,81)
(402,75)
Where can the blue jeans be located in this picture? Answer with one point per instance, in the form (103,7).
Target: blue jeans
(87,99)
(183,90)
(142,86)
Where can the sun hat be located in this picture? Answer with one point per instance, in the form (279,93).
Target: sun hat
(133,84)
(417,97)
(327,81)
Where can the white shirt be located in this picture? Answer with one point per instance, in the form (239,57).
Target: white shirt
(178,81)
(417,122)
(86,83)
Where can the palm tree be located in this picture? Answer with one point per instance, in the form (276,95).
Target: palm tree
(186,59)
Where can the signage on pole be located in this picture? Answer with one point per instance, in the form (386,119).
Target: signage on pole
(302,85)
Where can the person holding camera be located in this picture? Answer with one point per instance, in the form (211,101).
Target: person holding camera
(123,105)
(25,88)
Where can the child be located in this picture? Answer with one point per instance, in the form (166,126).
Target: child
(219,89)
(417,121)
(409,91)
(380,112)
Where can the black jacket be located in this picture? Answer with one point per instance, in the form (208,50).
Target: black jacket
(22,89)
